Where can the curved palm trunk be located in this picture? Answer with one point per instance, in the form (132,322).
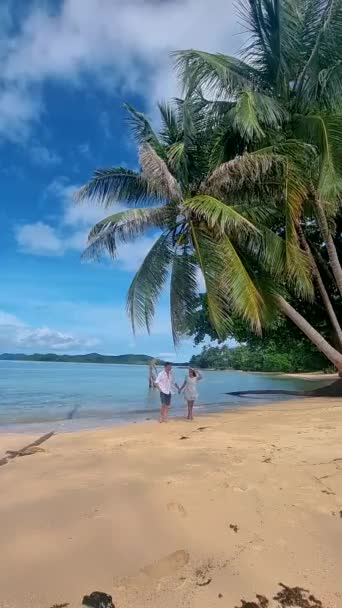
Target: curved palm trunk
(331,353)
(330,245)
(324,294)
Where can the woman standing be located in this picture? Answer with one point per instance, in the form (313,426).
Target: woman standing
(152,373)
(190,389)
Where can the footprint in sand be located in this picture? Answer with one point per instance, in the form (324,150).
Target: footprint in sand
(241,488)
(166,566)
(176,507)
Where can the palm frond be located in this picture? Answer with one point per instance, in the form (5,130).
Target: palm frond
(244,297)
(183,290)
(218,74)
(117,185)
(219,217)
(324,53)
(148,283)
(272,43)
(170,132)
(244,117)
(282,259)
(122,227)
(243,172)
(253,112)
(325,132)
(177,157)
(142,129)
(157,175)
(210,262)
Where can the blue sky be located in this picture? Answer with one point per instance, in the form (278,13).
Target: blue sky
(66,67)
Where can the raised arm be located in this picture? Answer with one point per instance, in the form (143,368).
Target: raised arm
(198,375)
(158,381)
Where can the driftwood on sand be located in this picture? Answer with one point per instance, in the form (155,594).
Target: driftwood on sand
(31,448)
(331,390)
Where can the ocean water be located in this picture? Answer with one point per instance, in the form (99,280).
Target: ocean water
(37,396)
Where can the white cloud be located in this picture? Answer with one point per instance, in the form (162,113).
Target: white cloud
(105,124)
(39,239)
(123,44)
(75,215)
(18,110)
(42,156)
(85,214)
(70,231)
(131,255)
(14,333)
(84,150)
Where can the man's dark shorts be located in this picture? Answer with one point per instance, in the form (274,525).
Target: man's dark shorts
(165,399)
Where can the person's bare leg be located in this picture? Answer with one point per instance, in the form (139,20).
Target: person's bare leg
(166,413)
(190,407)
(161,417)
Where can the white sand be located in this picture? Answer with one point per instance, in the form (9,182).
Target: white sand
(93,510)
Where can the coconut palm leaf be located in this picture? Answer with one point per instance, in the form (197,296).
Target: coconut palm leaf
(281,259)
(148,283)
(272,43)
(243,172)
(325,30)
(183,290)
(170,132)
(142,130)
(325,132)
(253,111)
(211,265)
(125,226)
(218,74)
(118,185)
(217,215)
(245,299)
(244,117)
(157,175)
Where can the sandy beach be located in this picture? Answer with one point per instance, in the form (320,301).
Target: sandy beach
(199,514)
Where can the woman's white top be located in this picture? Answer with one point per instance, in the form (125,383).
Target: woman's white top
(190,389)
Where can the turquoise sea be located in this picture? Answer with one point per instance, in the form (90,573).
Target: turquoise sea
(68,396)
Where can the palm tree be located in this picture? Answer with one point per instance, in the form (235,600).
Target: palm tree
(284,89)
(208,218)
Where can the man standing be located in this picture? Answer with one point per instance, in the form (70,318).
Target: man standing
(166,385)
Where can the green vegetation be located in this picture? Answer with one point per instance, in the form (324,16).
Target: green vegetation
(244,188)
(282,347)
(268,358)
(89,358)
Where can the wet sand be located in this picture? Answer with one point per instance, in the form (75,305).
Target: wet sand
(200,514)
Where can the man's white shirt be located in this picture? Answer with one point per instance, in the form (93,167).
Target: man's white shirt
(166,383)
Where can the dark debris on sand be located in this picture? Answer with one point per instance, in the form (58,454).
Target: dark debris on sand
(287,597)
(234,527)
(296,596)
(262,603)
(98,599)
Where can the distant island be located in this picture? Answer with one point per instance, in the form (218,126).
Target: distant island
(88,358)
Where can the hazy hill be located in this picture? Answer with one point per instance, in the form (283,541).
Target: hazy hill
(88,358)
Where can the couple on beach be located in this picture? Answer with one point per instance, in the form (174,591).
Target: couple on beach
(166,385)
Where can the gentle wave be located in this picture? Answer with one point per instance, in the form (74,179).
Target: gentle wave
(82,396)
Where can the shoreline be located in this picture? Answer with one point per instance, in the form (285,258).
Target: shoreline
(87,424)
(179,514)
